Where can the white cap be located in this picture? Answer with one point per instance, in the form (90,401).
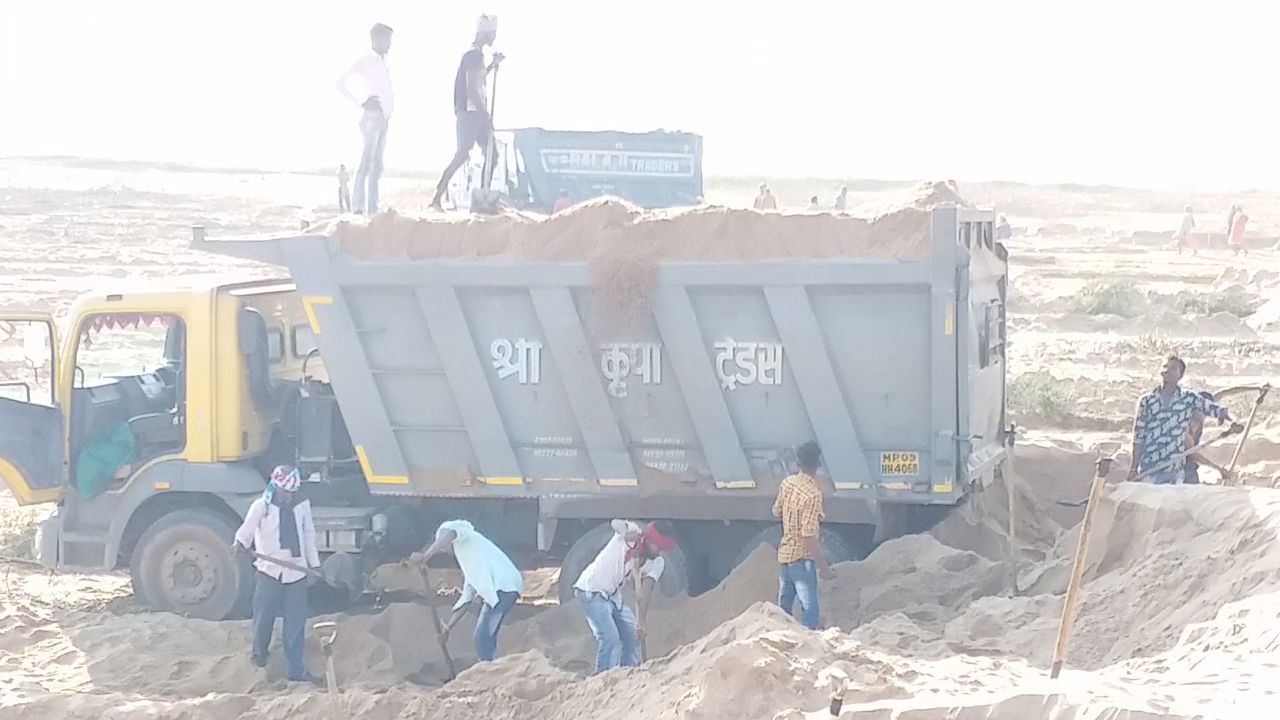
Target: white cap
(487,23)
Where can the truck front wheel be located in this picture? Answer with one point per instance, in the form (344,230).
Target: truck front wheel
(183,564)
(675,575)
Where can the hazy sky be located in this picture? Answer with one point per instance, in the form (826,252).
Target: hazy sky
(1127,92)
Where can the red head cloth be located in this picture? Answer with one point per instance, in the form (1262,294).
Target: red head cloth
(653,536)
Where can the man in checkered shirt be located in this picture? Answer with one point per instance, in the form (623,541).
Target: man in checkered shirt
(1161,421)
(800,555)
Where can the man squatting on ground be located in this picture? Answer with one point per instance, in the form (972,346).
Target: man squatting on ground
(279,525)
(618,630)
(489,579)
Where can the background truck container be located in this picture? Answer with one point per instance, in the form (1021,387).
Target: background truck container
(414,390)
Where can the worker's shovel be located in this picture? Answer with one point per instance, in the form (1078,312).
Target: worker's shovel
(328,633)
(440,630)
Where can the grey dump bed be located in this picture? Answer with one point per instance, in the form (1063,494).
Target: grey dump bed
(489,378)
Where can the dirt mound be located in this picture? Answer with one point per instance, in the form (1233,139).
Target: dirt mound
(611,229)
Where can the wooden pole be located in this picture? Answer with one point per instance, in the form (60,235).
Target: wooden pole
(1253,414)
(1103,467)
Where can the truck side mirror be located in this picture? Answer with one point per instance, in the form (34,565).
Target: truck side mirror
(37,346)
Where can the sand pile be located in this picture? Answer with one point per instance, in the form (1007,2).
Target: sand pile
(611,229)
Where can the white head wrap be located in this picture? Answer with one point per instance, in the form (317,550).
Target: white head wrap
(487,23)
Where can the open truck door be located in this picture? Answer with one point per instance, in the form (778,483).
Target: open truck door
(32,433)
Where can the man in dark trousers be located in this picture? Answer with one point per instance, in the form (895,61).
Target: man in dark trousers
(471,102)
(279,525)
(801,558)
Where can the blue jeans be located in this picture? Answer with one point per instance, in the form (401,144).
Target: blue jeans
(614,628)
(490,622)
(373,130)
(800,580)
(272,598)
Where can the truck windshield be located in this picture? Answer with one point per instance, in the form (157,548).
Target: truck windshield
(120,345)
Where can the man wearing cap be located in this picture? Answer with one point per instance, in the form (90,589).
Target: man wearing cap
(279,525)
(367,83)
(617,629)
(471,102)
(488,576)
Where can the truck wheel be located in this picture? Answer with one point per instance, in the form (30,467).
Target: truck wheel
(675,576)
(183,564)
(832,545)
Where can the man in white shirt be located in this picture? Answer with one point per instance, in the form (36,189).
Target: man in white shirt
(367,83)
(279,525)
(619,631)
(488,575)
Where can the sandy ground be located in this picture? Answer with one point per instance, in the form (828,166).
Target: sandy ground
(1178,618)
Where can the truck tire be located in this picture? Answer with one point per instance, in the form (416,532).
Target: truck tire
(183,564)
(832,544)
(675,576)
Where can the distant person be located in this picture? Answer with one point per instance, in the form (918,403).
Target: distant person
(842,200)
(1195,431)
(619,630)
(801,559)
(1183,238)
(488,576)
(371,79)
(1231,222)
(765,199)
(279,525)
(1003,231)
(813,204)
(1161,423)
(344,195)
(471,103)
(1237,232)
(562,203)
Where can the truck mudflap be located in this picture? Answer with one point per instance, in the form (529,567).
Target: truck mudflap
(48,531)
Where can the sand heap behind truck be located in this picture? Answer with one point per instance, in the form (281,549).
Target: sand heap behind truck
(538,377)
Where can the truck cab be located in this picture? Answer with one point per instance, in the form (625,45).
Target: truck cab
(151,420)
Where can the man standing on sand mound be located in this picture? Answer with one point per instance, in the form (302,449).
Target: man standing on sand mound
(1161,421)
(801,558)
(471,103)
(619,632)
(372,92)
(489,579)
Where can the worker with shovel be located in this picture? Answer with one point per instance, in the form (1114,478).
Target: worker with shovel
(1161,422)
(633,553)
(471,104)
(489,578)
(279,526)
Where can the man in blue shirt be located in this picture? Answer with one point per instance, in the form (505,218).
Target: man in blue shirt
(488,574)
(1161,421)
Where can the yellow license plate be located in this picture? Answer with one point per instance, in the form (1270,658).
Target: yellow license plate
(899,464)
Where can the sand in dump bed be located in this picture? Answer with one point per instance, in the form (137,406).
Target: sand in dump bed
(610,231)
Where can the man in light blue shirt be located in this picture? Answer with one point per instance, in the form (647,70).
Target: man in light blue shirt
(488,574)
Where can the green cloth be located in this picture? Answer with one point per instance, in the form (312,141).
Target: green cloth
(101,458)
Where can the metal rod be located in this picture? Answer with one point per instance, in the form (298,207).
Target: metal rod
(1102,468)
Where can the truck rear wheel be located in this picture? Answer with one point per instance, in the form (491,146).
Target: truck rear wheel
(835,547)
(183,564)
(675,576)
